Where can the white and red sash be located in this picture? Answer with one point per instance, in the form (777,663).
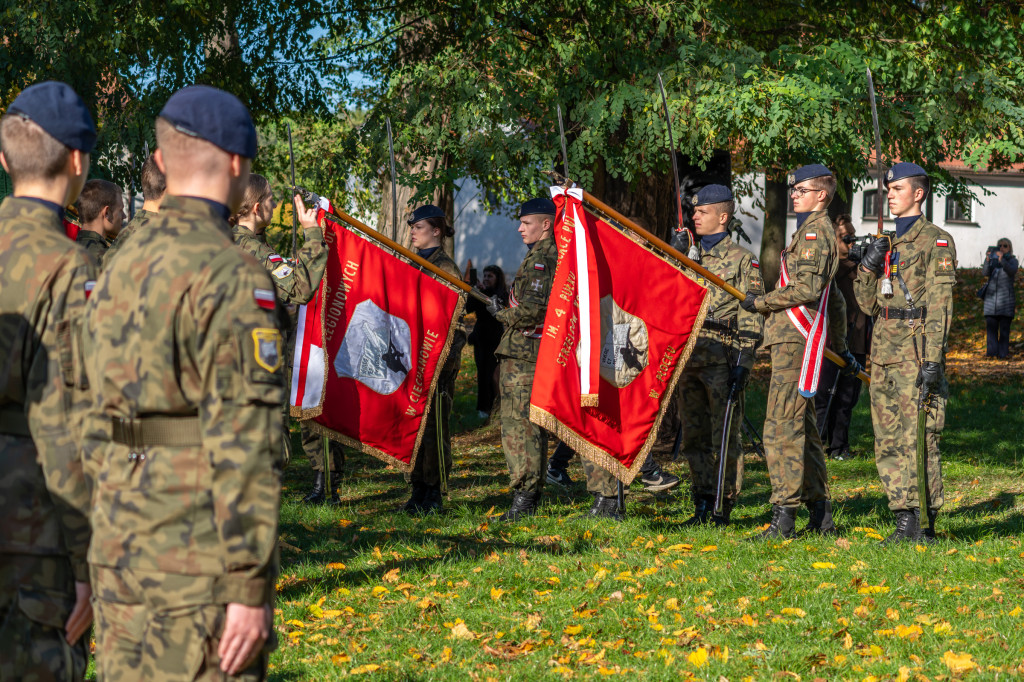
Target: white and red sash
(813,329)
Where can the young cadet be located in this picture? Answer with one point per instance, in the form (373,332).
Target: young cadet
(908,347)
(183,438)
(101,212)
(796,459)
(428,230)
(45,137)
(721,360)
(525,444)
(296,283)
(154,185)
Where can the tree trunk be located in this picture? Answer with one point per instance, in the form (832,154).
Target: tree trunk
(773,239)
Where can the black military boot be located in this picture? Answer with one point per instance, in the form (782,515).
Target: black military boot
(703,506)
(606,508)
(908,527)
(723,518)
(338,461)
(821,518)
(316,495)
(928,534)
(783,525)
(414,505)
(432,502)
(524,503)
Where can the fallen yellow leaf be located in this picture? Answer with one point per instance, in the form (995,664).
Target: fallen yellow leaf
(672,604)
(363,669)
(573,629)
(336,566)
(391,576)
(496,593)
(958,663)
(460,631)
(709,548)
(791,611)
(698,657)
(909,631)
(822,565)
(338,659)
(379,591)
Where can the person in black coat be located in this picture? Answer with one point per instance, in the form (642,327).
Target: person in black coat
(485,337)
(1000,298)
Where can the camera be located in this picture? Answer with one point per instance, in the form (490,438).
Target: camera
(858,245)
(991,251)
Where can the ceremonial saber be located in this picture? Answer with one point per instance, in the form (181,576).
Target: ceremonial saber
(295,217)
(723,452)
(675,170)
(394,183)
(419,260)
(561,136)
(667,248)
(887,279)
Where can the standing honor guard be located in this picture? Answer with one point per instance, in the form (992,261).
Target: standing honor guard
(46,136)
(799,309)
(908,350)
(721,360)
(525,444)
(183,438)
(428,231)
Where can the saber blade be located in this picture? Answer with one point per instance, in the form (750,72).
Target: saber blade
(295,218)
(561,136)
(672,151)
(394,183)
(878,146)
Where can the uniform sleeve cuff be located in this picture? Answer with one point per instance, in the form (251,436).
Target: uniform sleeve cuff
(80,569)
(239,589)
(761,305)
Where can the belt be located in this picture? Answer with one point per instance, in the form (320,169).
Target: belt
(721,324)
(13,421)
(903,313)
(142,432)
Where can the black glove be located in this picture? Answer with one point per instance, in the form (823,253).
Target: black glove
(748,303)
(494,306)
(738,378)
(874,255)
(680,241)
(929,377)
(852,367)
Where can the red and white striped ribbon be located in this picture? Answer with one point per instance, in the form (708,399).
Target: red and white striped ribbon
(813,329)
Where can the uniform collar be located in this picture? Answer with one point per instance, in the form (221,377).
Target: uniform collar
(709,243)
(912,231)
(903,225)
(197,206)
(37,209)
(56,208)
(427,253)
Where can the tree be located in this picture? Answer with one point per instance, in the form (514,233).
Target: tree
(776,84)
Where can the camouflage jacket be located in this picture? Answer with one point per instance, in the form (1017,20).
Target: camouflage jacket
(294,283)
(95,243)
(925,258)
(45,280)
(812,261)
(441,259)
(181,329)
(729,330)
(141,219)
(528,303)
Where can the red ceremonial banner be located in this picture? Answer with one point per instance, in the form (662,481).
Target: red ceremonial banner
(369,345)
(648,308)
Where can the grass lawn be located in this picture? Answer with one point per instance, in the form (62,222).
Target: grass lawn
(370,592)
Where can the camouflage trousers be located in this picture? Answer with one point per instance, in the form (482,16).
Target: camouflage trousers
(796,459)
(599,480)
(313,446)
(894,418)
(702,394)
(525,444)
(37,594)
(428,468)
(160,626)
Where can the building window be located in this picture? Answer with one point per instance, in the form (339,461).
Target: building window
(871,205)
(958,210)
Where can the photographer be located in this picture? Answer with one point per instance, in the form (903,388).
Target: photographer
(839,394)
(1000,299)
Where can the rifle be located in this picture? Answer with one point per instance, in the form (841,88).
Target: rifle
(623,222)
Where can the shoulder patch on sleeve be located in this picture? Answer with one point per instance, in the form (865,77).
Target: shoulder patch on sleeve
(267,348)
(941,242)
(755,264)
(538,266)
(264,298)
(282,271)
(90,284)
(274,258)
(810,236)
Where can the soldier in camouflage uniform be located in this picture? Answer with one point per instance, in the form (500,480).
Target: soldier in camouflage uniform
(183,437)
(46,136)
(722,358)
(908,346)
(428,231)
(796,458)
(154,185)
(296,284)
(525,444)
(101,212)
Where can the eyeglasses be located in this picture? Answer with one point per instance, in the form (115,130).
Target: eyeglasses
(801,191)
(1004,246)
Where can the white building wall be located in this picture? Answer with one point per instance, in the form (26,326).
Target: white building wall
(488,238)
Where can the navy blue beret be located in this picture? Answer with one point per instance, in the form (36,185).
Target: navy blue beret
(424,212)
(814,170)
(538,206)
(58,110)
(712,194)
(212,115)
(904,170)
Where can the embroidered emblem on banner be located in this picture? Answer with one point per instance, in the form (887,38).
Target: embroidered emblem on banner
(267,348)
(376,349)
(624,351)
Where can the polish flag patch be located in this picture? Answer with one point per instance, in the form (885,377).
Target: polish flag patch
(755,264)
(941,242)
(811,236)
(274,258)
(264,298)
(538,266)
(89,286)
